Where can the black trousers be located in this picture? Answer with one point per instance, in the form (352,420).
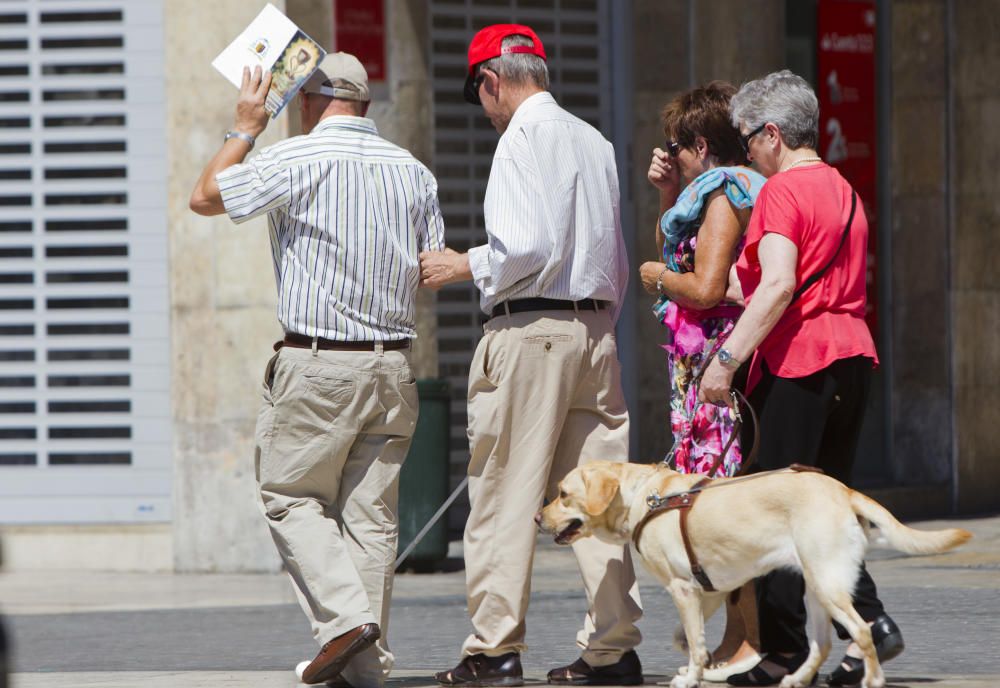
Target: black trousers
(815,420)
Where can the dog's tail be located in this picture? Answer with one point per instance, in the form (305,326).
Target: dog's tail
(894,534)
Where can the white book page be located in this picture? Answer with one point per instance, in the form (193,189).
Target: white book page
(260,44)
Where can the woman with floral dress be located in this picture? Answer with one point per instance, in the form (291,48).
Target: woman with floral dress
(699,235)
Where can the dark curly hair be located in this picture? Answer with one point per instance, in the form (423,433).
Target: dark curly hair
(704,111)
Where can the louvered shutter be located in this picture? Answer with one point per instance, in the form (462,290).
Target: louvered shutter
(84,337)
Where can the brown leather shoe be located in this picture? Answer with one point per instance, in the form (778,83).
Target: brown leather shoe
(627,671)
(480,670)
(335,655)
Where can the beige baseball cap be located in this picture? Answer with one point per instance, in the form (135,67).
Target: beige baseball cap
(339,75)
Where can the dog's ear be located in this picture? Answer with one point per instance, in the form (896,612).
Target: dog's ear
(602,486)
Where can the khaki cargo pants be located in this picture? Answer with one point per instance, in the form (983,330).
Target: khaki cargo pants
(333,431)
(544,397)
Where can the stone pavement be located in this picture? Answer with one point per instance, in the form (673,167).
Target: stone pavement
(93,630)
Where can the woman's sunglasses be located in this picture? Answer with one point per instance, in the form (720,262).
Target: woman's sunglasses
(673,148)
(745,140)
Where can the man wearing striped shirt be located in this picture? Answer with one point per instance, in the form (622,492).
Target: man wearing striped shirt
(348,214)
(544,390)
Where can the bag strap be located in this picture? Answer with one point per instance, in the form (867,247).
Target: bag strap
(843,237)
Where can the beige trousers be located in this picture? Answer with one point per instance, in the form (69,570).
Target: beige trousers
(332,434)
(544,397)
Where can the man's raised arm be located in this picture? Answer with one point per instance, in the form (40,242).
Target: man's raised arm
(251,120)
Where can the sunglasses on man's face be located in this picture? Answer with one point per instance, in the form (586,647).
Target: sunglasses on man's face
(745,140)
(673,148)
(472,88)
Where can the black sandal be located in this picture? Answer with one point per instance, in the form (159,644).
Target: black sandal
(850,676)
(888,641)
(758,676)
(627,671)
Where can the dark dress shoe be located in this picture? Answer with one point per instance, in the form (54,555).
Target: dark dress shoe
(888,640)
(758,676)
(627,671)
(335,655)
(482,670)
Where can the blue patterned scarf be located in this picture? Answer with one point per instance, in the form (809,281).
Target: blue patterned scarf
(741,186)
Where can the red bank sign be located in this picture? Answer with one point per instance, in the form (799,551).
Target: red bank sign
(845,42)
(359,29)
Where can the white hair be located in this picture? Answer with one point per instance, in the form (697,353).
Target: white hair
(520,68)
(783,98)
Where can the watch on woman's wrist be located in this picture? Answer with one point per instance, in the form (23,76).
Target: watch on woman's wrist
(659,280)
(726,359)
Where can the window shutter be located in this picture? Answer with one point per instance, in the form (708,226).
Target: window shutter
(84,336)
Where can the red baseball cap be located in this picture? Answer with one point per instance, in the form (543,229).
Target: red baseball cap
(488,43)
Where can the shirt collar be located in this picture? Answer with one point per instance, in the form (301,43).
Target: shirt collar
(530,103)
(346,123)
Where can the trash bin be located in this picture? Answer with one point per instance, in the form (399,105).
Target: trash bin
(423,481)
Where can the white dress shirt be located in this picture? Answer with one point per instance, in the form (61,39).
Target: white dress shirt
(348,213)
(551,212)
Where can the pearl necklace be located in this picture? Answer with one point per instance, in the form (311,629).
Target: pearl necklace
(802,160)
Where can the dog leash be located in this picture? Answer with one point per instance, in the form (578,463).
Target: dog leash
(430,524)
(738,401)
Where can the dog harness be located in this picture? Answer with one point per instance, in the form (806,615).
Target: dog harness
(684,501)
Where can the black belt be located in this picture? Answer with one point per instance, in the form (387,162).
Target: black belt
(539,304)
(300,341)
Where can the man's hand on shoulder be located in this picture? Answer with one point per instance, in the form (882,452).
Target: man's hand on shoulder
(438,268)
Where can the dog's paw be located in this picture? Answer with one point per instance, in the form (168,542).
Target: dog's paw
(873,682)
(684,681)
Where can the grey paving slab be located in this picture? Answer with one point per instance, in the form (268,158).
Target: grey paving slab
(86,629)
(943,629)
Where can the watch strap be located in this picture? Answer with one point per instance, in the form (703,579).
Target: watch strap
(727,359)
(659,280)
(240,135)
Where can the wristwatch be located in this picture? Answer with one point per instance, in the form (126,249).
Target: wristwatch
(240,135)
(659,280)
(727,360)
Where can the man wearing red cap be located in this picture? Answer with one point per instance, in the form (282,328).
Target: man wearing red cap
(545,388)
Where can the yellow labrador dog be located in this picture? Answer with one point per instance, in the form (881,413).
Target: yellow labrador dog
(740,529)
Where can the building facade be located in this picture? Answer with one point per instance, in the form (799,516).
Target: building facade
(133,333)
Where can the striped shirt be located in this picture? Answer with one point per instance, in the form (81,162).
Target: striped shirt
(348,214)
(551,212)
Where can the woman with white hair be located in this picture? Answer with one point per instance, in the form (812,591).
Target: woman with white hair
(802,274)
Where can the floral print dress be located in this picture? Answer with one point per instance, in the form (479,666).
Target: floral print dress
(700,431)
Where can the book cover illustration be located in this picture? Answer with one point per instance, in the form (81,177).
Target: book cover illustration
(274,43)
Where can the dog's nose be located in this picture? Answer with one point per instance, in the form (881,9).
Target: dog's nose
(538,519)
